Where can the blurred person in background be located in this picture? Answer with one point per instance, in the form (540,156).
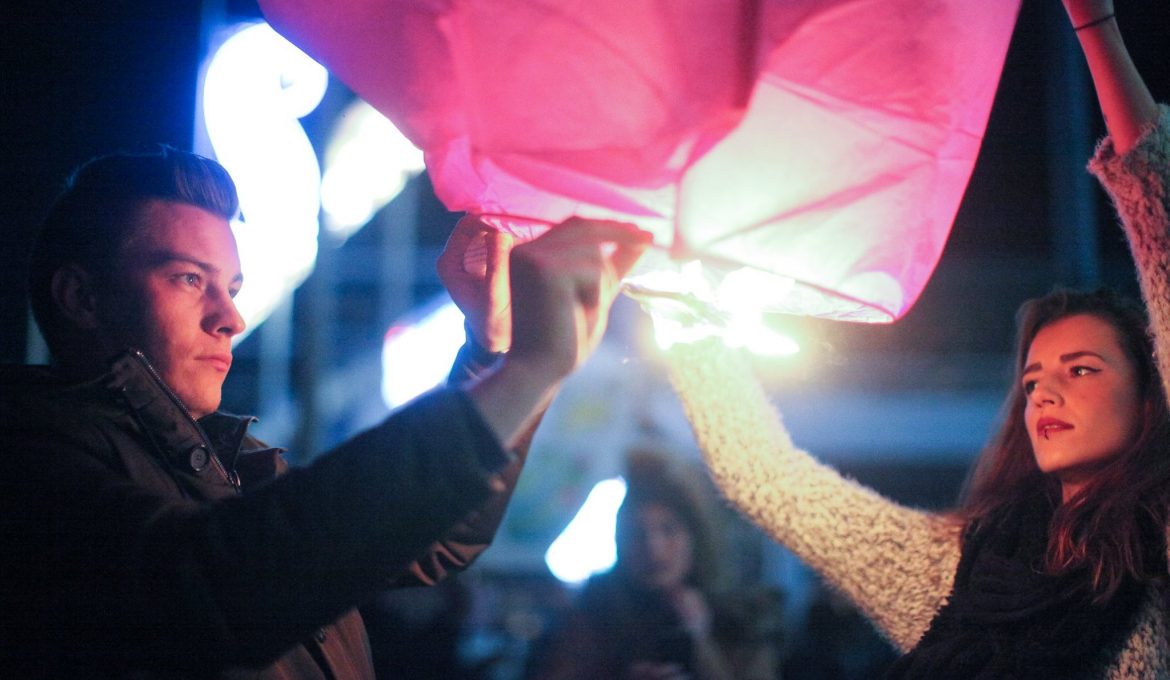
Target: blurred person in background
(658,614)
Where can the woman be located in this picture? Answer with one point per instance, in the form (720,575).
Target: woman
(653,616)
(1056,566)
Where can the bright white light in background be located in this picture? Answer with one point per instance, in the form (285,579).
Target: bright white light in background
(367,162)
(256,87)
(417,355)
(586,546)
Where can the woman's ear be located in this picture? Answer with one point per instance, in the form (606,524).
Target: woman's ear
(73,292)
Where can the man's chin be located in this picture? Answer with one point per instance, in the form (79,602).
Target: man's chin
(202,405)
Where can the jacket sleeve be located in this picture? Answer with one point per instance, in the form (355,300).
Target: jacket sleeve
(101,566)
(1139,184)
(895,563)
(474,533)
(472,361)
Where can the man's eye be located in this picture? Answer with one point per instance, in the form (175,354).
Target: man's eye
(1082,370)
(191,279)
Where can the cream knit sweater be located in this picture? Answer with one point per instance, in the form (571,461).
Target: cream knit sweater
(897,564)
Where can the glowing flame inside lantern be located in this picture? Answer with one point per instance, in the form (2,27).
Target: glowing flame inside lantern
(689,304)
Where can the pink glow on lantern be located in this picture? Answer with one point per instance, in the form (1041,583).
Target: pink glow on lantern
(825,143)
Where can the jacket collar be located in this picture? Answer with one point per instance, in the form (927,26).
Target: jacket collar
(183,441)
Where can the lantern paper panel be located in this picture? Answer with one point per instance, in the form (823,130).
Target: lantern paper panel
(821,147)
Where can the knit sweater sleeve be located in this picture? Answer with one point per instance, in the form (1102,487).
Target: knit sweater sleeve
(1138,184)
(895,563)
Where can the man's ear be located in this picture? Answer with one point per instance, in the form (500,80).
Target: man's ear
(73,292)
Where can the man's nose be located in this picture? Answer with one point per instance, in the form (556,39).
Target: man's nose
(225,317)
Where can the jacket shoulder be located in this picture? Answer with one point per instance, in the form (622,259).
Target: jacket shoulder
(38,410)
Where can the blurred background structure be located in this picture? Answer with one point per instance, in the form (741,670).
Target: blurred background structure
(903,408)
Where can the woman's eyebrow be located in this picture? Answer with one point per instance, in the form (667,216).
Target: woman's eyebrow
(1064,359)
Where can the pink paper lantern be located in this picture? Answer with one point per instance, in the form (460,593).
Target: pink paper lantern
(821,145)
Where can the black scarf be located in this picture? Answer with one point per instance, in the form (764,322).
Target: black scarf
(1006,618)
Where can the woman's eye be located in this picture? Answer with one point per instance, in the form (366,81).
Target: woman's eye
(1082,370)
(1029,386)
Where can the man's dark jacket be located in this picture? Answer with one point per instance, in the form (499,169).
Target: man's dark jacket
(137,543)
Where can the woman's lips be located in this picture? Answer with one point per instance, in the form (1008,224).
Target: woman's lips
(1045,427)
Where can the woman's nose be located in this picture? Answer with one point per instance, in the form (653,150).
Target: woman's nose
(1045,392)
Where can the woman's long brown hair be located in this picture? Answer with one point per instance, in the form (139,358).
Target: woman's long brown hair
(1115,526)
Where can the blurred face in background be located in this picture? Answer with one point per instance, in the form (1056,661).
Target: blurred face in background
(657,549)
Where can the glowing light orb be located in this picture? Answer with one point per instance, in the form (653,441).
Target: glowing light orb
(417,352)
(255,88)
(586,546)
(367,163)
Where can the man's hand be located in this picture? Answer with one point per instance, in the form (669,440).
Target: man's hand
(474,268)
(562,286)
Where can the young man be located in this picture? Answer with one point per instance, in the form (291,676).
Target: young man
(146,534)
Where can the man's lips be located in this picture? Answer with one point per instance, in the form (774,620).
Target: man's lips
(221,362)
(1045,427)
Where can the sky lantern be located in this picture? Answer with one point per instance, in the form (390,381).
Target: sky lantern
(799,156)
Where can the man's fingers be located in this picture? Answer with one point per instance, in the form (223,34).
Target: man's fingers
(594,255)
(452,259)
(621,242)
(497,251)
(626,255)
(576,228)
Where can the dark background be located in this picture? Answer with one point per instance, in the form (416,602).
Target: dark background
(79,79)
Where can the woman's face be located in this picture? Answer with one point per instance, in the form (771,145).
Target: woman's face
(658,551)
(1083,402)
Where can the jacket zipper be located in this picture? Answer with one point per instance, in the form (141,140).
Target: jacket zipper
(231,479)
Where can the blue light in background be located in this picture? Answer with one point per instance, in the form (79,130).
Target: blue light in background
(586,546)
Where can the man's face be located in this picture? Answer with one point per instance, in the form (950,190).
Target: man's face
(172,298)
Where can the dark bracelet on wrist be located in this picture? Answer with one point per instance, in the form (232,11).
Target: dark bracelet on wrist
(1094,22)
(478,351)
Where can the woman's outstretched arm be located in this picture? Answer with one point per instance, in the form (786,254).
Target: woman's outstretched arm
(897,564)
(1132,163)
(1126,103)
